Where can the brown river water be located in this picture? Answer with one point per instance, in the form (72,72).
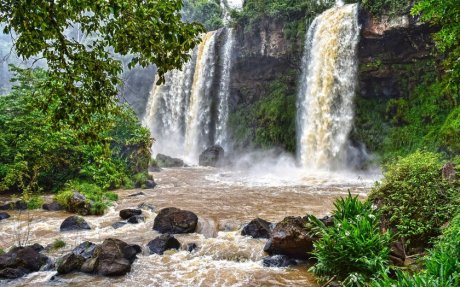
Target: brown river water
(223,200)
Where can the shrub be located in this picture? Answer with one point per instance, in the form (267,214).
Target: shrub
(414,198)
(139,179)
(353,249)
(33,201)
(58,244)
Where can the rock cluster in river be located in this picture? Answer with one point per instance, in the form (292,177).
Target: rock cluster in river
(20,261)
(167,161)
(175,221)
(73,223)
(257,228)
(212,156)
(162,243)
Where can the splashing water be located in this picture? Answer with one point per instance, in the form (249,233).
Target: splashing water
(325,99)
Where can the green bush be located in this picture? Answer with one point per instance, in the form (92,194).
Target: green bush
(139,179)
(58,244)
(442,264)
(414,198)
(34,201)
(353,250)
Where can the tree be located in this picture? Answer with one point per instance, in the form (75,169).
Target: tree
(148,31)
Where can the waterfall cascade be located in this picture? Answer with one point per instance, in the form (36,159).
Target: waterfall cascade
(325,99)
(185,115)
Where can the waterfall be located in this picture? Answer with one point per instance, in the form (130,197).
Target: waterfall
(190,111)
(325,99)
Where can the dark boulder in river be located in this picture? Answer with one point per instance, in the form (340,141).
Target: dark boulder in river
(20,261)
(167,161)
(18,205)
(175,221)
(53,206)
(74,223)
(257,228)
(4,215)
(136,219)
(113,258)
(162,243)
(77,203)
(212,156)
(127,213)
(278,261)
(290,237)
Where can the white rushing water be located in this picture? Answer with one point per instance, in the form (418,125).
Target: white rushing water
(325,99)
(185,115)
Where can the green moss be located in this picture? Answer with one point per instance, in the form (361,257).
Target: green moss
(58,244)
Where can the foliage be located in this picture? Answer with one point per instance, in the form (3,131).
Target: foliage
(139,179)
(35,154)
(353,250)
(34,201)
(386,7)
(414,198)
(99,199)
(74,39)
(207,12)
(442,264)
(58,244)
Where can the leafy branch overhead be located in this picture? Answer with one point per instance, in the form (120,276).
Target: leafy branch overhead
(87,67)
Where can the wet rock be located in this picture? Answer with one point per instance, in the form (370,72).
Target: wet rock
(4,215)
(140,193)
(20,261)
(154,169)
(328,221)
(147,206)
(448,172)
(77,203)
(119,224)
(150,184)
(191,247)
(69,263)
(212,156)
(53,206)
(18,205)
(175,221)
(167,161)
(278,261)
(290,237)
(37,247)
(127,213)
(162,243)
(74,223)
(398,253)
(257,228)
(112,258)
(85,249)
(136,219)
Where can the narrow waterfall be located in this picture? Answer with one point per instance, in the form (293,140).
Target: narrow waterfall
(325,99)
(199,114)
(190,111)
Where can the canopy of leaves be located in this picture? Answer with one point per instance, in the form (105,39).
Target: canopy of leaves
(150,31)
(207,12)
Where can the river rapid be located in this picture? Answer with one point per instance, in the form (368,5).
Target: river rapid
(224,201)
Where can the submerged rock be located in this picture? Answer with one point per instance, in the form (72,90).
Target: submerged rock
(20,261)
(150,183)
(290,237)
(278,261)
(136,219)
(212,156)
(167,161)
(191,247)
(4,215)
(140,193)
(53,206)
(18,205)
(119,224)
(127,213)
(257,228)
(175,221)
(162,243)
(74,223)
(147,206)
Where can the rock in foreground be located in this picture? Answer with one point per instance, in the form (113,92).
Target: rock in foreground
(127,213)
(257,228)
(278,261)
(175,221)
(74,222)
(167,161)
(21,261)
(290,237)
(162,243)
(4,215)
(212,156)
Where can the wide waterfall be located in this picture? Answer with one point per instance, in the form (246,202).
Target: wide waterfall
(325,99)
(190,111)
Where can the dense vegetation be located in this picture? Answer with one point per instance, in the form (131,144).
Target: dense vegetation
(207,12)
(37,155)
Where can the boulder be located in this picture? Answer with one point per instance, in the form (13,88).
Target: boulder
(18,205)
(112,258)
(77,203)
(150,183)
(53,206)
(257,228)
(162,243)
(191,247)
(69,263)
(290,237)
(4,215)
(127,213)
(278,261)
(85,249)
(37,247)
(136,219)
(175,221)
(167,161)
(74,222)
(20,261)
(119,224)
(212,156)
